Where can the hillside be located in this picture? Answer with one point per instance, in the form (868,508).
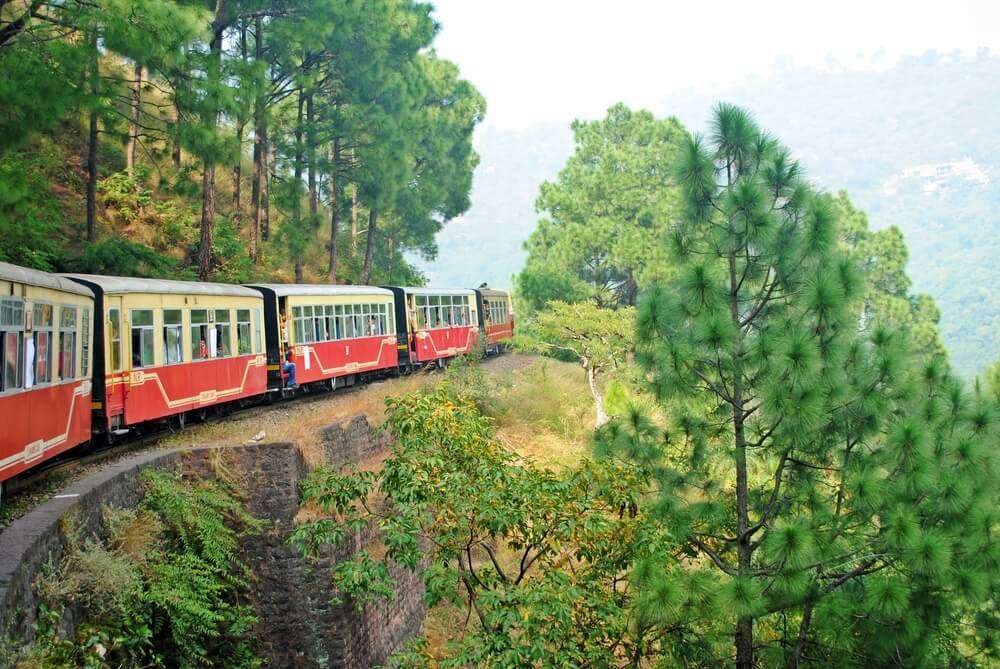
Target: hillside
(915,145)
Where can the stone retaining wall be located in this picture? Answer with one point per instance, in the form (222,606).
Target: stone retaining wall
(299,626)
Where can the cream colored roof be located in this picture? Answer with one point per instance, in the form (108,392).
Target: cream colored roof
(34,277)
(320,289)
(125,284)
(436,291)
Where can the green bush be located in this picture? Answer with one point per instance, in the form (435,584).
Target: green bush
(165,588)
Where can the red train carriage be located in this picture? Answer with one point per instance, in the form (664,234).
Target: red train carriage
(45,325)
(434,324)
(496,314)
(164,348)
(334,332)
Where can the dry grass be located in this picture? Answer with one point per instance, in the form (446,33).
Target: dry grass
(545,412)
(300,422)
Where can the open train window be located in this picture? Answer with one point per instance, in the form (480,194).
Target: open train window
(142,338)
(173,344)
(38,349)
(11,343)
(115,339)
(67,343)
(220,345)
(85,343)
(199,334)
(242,332)
(258,346)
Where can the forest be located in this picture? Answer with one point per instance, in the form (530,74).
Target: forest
(231,140)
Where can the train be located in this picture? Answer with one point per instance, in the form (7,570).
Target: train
(89,357)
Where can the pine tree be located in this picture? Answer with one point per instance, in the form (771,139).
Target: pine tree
(824,496)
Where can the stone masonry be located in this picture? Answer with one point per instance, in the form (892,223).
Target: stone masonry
(299,626)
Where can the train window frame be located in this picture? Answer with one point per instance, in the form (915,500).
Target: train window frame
(11,325)
(177,328)
(223,334)
(319,324)
(115,338)
(331,322)
(147,331)
(340,323)
(84,342)
(243,332)
(41,330)
(258,343)
(67,335)
(201,326)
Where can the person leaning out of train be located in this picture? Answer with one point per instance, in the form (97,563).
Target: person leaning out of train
(289,370)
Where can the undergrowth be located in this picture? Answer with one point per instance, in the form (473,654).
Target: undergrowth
(165,588)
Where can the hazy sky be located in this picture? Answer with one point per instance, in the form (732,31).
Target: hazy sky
(542,60)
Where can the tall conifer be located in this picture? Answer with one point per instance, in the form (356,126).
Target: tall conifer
(830,504)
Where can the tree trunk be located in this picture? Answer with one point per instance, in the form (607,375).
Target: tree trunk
(601,417)
(133,127)
(208,176)
(175,149)
(354,223)
(265,188)
(241,123)
(800,641)
(297,181)
(258,151)
(238,177)
(334,210)
(311,164)
(366,273)
(388,260)
(744,624)
(92,139)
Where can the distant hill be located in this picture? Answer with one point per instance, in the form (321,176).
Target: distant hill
(916,145)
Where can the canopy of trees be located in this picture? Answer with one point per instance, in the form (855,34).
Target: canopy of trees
(604,219)
(229,139)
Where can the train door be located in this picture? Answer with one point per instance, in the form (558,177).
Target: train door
(116,373)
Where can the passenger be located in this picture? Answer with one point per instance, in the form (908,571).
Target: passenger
(373,326)
(202,350)
(289,369)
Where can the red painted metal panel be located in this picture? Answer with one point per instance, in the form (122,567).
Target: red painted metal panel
(41,423)
(328,359)
(499,332)
(444,343)
(158,392)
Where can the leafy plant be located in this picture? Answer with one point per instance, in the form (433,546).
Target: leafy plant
(165,588)
(538,560)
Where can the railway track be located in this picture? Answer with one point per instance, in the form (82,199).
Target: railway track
(13,505)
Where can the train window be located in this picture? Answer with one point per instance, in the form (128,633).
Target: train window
(319,323)
(85,343)
(331,322)
(142,338)
(242,332)
(339,330)
(115,337)
(392,324)
(256,331)
(38,351)
(359,321)
(11,343)
(67,343)
(221,346)
(199,334)
(173,340)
